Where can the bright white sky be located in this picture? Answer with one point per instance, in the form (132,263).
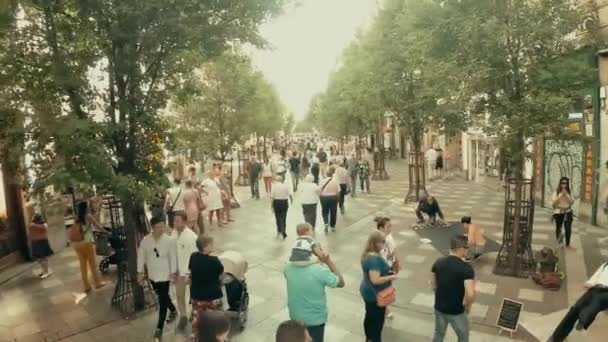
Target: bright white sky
(307,43)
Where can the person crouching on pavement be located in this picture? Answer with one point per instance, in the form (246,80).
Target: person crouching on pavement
(474,233)
(429,205)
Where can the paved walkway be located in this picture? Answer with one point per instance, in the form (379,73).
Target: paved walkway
(34,310)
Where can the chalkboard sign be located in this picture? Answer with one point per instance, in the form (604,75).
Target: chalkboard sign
(508,317)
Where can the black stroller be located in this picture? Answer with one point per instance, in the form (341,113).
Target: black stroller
(235,285)
(112,246)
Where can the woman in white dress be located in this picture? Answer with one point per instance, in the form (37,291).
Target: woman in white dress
(214,195)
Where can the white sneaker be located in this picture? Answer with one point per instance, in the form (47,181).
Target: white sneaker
(46,275)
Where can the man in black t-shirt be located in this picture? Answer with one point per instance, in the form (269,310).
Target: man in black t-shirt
(453,281)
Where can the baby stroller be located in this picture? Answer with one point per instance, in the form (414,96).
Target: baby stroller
(111,245)
(235,287)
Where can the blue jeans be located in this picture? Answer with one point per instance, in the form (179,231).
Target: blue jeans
(460,324)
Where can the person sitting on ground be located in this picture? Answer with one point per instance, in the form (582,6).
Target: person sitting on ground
(429,205)
(305,250)
(292,331)
(213,326)
(583,312)
(474,233)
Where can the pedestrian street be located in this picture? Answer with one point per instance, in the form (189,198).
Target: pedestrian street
(33,310)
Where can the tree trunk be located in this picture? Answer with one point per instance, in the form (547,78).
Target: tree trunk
(11,177)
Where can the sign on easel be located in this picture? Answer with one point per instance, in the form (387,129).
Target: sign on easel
(508,316)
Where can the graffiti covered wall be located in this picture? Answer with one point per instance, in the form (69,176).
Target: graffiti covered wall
(563,158)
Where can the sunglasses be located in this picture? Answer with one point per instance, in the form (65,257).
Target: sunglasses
(156,252)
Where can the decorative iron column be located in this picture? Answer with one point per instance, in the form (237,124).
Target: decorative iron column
(417,177)
(515,257)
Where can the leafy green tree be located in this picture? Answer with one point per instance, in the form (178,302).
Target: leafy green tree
(98,75)
(522,63)
(224,103)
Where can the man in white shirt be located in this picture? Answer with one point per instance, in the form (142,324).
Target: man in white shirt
(280,195)
(157,254)
(592,302)
(174,201)
(310,198)
(185,240)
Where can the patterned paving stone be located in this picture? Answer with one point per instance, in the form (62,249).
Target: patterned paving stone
(424,299)
(487,288)
(531,295)
(414,259)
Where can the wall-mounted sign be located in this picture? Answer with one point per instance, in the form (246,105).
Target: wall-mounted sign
(588,178)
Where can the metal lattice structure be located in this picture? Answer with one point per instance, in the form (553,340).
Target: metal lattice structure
(417,177)
(516,258)
(122,299)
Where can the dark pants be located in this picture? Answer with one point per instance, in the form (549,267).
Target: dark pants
(315,174)
(317,332)
(255,187)
(584,311)
(329,210)
(295,179)
(373,322)
(343,188)
(310,214)
(432,215)
(353,184)
(280,214)
(566,220)
(164,302)
(364,181)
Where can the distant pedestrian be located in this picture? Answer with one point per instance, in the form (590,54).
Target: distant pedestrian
(267,176)
(315,169)
(226,194)
(41,249)
(192,205)
(431,159)
(353,172)
(439,164)
(453,281)
(477,242)
(562,210)
(364,172)
(255,171)
(294,169)
(292,331)
(330,192)
(211,186)
(280,196)
(323,161)
(214,326)
(310,199)
(157,258)
(343,179)
(377,277)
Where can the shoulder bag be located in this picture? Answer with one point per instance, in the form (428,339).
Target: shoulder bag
(170,211)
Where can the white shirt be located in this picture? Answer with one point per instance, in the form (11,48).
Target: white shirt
(172,197)
(342,175)
(388,252)
(600,277)
(266,170)
(159,267)
(310,192)
(280,191)
(430,155)
(186,245)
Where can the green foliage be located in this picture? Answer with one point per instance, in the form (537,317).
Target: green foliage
(223,103)
(520,61)
(94,76)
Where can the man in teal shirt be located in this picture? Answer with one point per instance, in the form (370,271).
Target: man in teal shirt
(306,298)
